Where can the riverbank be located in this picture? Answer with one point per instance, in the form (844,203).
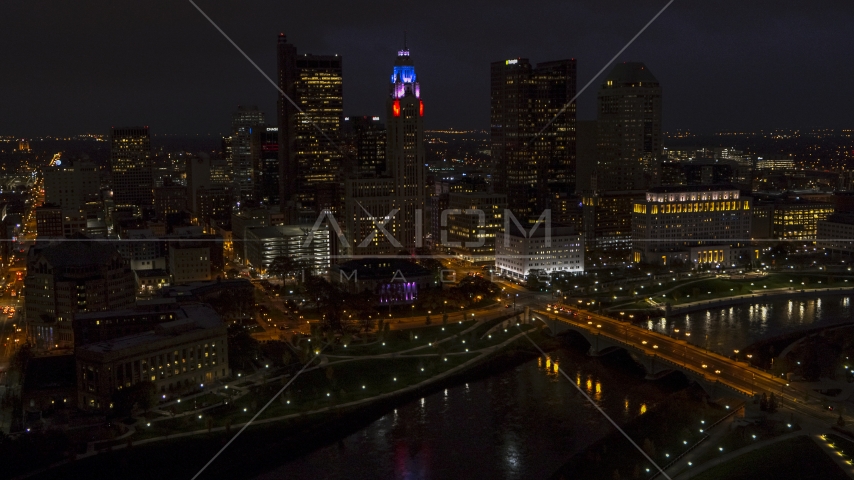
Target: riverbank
(663,432)
(756,297)
(266,446)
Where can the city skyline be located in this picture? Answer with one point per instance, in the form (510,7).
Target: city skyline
(712,74)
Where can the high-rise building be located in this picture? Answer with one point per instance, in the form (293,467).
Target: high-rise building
(131,167)
(70,184)
(309,136)
(365,137)
(265,151)
(242,158)
(198,176)
(169,199)
(629,128)
(533,130)
(396,200)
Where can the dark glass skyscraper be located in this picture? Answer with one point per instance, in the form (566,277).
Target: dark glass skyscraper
(265,151)
(531,156)
(365,137)
(310,158)
(629,128)
(131,167)
(242,158)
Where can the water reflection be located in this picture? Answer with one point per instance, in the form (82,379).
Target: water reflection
(521,423)
(725,329)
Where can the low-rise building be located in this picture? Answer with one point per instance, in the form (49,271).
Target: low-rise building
(472,223)
(696,224)
(300,242)
(190,261)
(176,356)
(150,282)
(393,281)
(794,218)
(559,250)
(836,233)
(67,278)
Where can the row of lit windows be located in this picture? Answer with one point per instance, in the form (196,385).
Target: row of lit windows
(695,207)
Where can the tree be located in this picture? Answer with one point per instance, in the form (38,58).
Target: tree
(329,300)
(242,348)
(772,403)
(22,356)
(284,266)
(146,395)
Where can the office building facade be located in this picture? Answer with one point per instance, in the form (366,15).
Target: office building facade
(532,130)
(308,135)
(696,224)
(131,167)
(628,128)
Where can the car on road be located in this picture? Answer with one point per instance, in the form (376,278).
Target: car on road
(507,306)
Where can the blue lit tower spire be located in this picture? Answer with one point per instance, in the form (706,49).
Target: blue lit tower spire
(405,150)
(403,80)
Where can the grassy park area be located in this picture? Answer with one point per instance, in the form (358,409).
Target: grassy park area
(798,457)
(687,291)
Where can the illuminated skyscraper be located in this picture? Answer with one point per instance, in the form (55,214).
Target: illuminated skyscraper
(396,200)
(309,135)
(131,167)
(241,159)
(629,128)
(531,156)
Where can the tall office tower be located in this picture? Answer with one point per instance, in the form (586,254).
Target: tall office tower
(242,160)
(198,177)
(309,135)
(532,156)
(70,184)
(396,200)
(586,155)
(265,151)
(131,168)
(365,138)
(629,126)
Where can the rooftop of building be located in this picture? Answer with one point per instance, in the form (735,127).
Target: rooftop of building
(196,317)
(281,231)
(369,268)
(197,288)
(557,230)
(152,273)
(630,73)
(78,251)
(722,187)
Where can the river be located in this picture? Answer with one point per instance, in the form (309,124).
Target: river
(527,421)
(725,329)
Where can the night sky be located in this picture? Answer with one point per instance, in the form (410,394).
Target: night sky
(84,66)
